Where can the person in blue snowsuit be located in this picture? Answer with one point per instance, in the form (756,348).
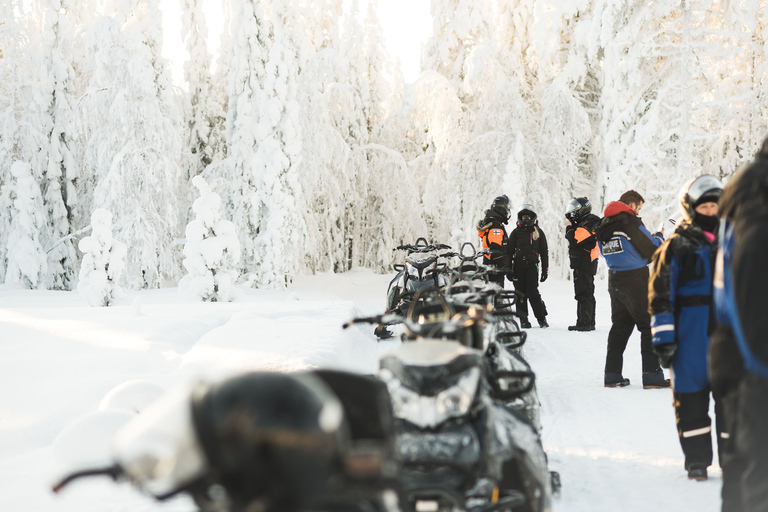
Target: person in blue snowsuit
(628,246)
(680,304)
(738,355)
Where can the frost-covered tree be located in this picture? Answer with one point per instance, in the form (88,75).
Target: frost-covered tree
(61,169)
(678,77)
(458,25)
(265,142)
(203,111)
(26,262)
(212,251)
(103,262)
(132,142)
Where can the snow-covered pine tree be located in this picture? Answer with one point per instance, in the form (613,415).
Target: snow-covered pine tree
(62,169)
(265,141)
(203,112)
(102,264)
(212,251)
(458,25)
(677,81)
(27,264)
(132,138)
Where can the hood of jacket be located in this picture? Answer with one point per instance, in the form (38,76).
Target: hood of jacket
(616,207)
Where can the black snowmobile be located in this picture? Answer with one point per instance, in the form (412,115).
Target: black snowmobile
(273,442)
(459,448)
(421,269)
(437,318)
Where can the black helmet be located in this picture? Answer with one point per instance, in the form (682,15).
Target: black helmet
(272,438)
(706,188)
(530,211)
(578,208)
(501,206)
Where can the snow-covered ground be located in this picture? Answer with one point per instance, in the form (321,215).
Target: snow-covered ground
(65,365)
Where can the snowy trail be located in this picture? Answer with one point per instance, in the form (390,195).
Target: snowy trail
(616,449)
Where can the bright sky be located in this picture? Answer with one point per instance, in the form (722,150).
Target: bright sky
(406,24)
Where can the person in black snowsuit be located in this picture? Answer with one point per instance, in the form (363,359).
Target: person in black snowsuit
(627,246)
(680,304)
(493,236)
(527,246)
(738,361)
(583,255)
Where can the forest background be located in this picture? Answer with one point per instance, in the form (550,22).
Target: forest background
(323,158)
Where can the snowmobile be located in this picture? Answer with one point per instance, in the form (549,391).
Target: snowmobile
(460,449)
(273,442)
(468,324)
(420,270)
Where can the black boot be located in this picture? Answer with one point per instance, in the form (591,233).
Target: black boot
(697,472)
(614,380)
(543,323)
(655,380)
(524,323)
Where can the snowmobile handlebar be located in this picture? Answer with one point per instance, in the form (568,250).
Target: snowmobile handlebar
(385,319)
(421,248)
(114,472)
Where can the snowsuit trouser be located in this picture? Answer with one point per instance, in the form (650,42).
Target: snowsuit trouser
(527,282)
(694,427)
(752,442)
(629,309)
(584,293)
(731,461)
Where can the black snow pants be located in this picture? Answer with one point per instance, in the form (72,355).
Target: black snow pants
(629,309)
(584,293)
(526,280)
(752,442)
(732,462)
(694,427)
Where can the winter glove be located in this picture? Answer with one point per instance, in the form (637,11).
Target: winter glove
(544,275)
(666,353)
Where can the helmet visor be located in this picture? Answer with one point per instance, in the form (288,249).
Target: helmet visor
(705,188)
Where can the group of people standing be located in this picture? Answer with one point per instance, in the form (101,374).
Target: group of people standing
(701,309)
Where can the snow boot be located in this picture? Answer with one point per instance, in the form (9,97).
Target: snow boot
(543,323)
(655,380)
(581,328)
(697,472)
(614,380)
(525,324)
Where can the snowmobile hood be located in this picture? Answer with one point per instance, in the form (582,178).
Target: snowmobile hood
(428,367)
(615,208)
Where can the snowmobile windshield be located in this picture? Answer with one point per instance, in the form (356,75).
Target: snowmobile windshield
(432,381)
(159,449)
(420,265)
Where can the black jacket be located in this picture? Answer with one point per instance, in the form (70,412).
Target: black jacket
(582,251)
(528,245)
(486,229)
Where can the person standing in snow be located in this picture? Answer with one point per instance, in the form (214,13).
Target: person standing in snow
(738,353)
(528,245)
(493,236)
(627,246)
(583,253)
(680,302)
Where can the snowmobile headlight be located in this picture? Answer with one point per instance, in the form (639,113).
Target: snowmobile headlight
(412,270)
(430,411)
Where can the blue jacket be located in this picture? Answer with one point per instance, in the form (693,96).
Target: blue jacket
(625,243)
(747,317)
(680,303)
